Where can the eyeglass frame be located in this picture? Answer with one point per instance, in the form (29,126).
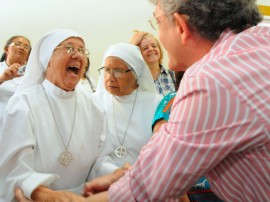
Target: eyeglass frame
(71,50)
(113,71)
(21,45)
(150,20)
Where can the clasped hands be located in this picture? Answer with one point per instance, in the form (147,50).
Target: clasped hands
(94,190)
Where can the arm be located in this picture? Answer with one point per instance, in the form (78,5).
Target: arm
(158,124)
(197,128)
(43,193)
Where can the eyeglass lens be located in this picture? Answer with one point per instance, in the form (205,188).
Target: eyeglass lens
(115,72)
(19,44)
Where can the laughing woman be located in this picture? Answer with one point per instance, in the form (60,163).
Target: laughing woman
(51,132)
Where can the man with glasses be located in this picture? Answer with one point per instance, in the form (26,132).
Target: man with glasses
(219,124)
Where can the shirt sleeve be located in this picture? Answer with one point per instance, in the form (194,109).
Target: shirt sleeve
(207,124)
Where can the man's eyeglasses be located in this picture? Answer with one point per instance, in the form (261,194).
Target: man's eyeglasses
(20,45)
(153,21)
(71,50)
(117,73)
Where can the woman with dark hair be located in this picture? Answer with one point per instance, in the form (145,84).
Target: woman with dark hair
(12,67)
(87,84)
(17,50)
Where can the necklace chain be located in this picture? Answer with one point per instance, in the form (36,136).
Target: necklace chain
(74,116)
(121,143)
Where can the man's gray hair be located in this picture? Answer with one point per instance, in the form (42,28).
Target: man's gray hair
(209,18)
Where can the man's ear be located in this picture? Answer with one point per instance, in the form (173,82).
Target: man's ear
(182,26)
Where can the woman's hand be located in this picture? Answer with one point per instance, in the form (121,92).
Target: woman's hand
(137,37)
(43,193)
(19,196)
(103,183)
(10,73)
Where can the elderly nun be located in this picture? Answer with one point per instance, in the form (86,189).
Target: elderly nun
(51,132)
(127,93)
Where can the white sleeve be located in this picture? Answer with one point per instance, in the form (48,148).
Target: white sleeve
(17,152)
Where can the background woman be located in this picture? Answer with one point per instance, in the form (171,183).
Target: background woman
(153,55)
(17,50)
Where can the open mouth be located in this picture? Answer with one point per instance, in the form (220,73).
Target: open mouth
(74,69)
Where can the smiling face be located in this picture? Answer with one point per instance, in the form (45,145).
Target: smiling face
(119,86)
(18,51)
(150,50)
(66,69)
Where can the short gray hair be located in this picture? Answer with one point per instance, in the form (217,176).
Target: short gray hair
(209,18)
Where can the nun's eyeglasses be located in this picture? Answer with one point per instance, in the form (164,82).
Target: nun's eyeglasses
(117,73)
(71,50)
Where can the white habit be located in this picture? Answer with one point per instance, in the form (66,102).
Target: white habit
(139,130)
(37,129)
(118,111)
(35,143)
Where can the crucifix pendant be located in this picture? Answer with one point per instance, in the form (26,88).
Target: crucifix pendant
(120,152)
(65,158)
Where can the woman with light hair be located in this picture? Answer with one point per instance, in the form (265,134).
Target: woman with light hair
(152,53)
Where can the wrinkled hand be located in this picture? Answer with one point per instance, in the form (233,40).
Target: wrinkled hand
(19,196)
(137,37)
(10,73)
(103,183)
(100,197)
(98,185)
(42,194)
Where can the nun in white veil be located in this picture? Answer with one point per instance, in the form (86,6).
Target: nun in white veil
(51,132)
(127,93)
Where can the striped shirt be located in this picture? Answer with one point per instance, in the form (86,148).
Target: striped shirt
(219,127)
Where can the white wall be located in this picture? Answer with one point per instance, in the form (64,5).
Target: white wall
(100,22)
(265,3)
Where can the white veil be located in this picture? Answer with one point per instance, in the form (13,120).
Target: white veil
(131,54)
(40,56)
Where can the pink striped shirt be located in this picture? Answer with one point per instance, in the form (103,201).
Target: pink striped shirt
(219,127)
